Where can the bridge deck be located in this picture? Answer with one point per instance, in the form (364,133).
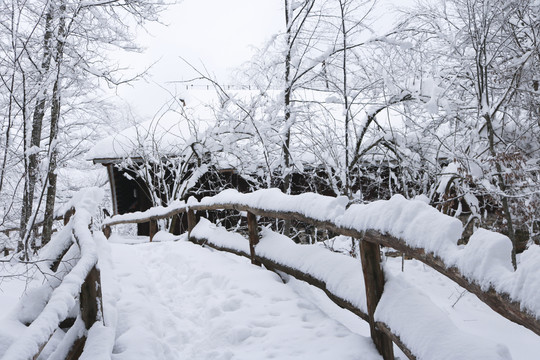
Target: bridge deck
(181,301)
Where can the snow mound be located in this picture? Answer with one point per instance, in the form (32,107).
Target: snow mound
(219,236)
(426,330)
(414,221)
(486,257)
(319,207)
(333,269)
(168,136)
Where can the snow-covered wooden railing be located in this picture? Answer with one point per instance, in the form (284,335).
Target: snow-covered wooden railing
(71,298)
(482,267)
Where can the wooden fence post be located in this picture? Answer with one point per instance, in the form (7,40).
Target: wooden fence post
(253,229)
(91,298)
(152,229)
(107,231)
(68,215)
(374,282)
(91,308)
(191,221)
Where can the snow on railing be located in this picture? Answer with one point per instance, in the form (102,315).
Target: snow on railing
(483,266)
(72,287)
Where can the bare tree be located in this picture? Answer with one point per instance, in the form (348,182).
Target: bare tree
(52,47)
(483,53)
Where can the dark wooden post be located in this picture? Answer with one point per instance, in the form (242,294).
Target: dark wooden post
(152,229)
(107,231)
(253,229)
(374,282)
(91,298)
(68,215)
(91,307)
(191,222)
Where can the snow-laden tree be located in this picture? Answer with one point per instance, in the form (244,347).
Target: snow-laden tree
(478,60)
(53,58)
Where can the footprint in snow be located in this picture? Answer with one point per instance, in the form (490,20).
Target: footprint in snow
(239,335)
(231,305)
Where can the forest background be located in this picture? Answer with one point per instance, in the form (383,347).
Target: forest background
(443,106)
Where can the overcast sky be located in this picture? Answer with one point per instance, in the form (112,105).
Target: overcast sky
(217,34)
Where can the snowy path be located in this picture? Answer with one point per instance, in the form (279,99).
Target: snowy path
(181,301)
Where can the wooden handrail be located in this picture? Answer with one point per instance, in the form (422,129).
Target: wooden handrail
(84,274)
(372,239)
(499,302)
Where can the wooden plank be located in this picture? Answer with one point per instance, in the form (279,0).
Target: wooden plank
(253,230)
(112,183)
(107,231)
(396,339)
(76,350)
(374,282)
(144,219)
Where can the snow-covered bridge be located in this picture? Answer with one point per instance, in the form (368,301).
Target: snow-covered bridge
(177,300)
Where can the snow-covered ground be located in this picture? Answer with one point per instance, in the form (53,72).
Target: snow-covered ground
(177,300)
(182,301)
(466,311)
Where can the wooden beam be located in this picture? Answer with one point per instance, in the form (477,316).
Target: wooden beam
(253,229)
(374,282)
(396,339)
(112,183)
(131,219)
(76,349)
(68,215)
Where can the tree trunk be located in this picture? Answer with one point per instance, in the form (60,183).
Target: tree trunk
(37,123)
(287,113)
(348,191)
(53,136)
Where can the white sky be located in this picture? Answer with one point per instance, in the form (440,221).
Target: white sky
(217,34)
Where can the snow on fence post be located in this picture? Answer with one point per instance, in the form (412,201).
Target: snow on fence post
(374,283)
(67,216)
(253,230)
(191,221)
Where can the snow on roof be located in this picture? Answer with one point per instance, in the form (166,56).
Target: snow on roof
(170,133)
(166,136)
(173,132)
